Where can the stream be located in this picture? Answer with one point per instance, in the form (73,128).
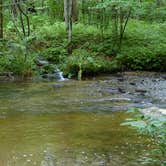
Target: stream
(76,123)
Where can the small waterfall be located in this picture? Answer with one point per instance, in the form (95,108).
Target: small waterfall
(55,74)
(59,74)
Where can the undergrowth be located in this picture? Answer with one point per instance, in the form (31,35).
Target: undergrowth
(143,48)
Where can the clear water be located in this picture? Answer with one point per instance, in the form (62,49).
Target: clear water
(66,124)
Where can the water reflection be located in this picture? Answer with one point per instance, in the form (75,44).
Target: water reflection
(44,126)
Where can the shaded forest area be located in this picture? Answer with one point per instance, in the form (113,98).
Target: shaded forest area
(82,37)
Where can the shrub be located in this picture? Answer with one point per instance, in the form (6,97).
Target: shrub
(144,49)
(82,62)
(154,127)
(15,58)
(56,53)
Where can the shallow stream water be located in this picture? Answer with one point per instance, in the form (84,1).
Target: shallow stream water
(69,123)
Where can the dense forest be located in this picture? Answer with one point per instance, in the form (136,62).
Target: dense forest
(82,37)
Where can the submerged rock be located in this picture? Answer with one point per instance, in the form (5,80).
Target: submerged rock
(154,111)
(144,89)
(56,86)
(121,90)
(50,76)
(141,90)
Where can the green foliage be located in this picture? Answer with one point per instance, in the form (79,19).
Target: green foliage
(119,16)
(48,68)
(55,8)
(143,44)
(51,31)
(156,128)
(22,67)
(54,54)
(149,11)
(97,37)
(81,30)
(143,47)
(83,62)
(17,59)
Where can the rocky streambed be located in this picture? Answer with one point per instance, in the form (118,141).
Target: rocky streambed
(134,89)
(138,89)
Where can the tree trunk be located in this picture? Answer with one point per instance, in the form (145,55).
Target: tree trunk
(1,19)
(158,3)
(42,3)
(14,8)
(75,10)
(22,13)
(68,20)
(66,13)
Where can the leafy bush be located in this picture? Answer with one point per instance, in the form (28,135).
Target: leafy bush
(15,58)
(144,49)
(51,31)
(55,53)
(82,62)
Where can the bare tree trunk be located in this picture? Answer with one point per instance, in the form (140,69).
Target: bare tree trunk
(14,15)
(68,20)
(124,26)
(1,19)
(75,11)
(22,24)
(14,8)
(42,4)
(66,13)
(22,13)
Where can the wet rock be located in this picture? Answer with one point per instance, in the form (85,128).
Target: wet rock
(41,62)
(142,81)
(121,79)
(140,90)
(136,86)
(132,83)
(154,111)
(49,71)
(56,86)
(121,90)
(163,76)
(108,91)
